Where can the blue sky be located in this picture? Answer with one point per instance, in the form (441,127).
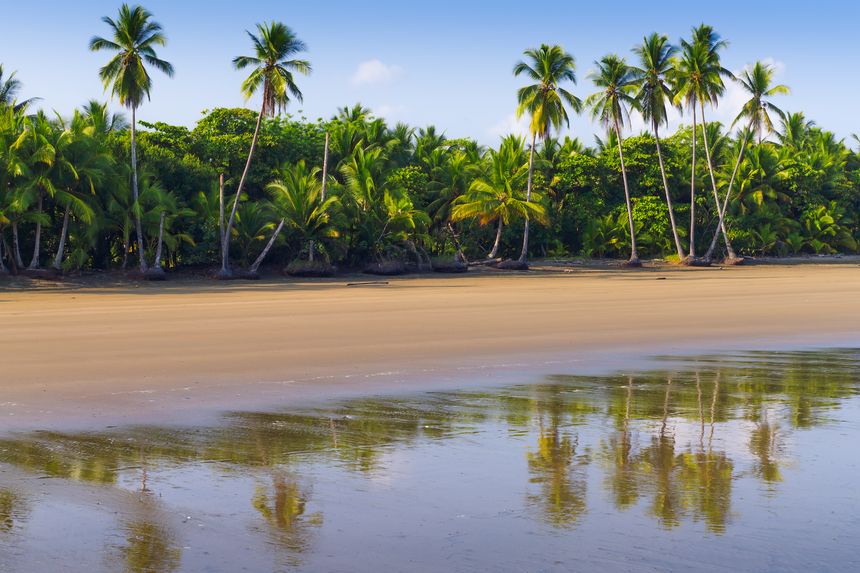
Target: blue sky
(443,62)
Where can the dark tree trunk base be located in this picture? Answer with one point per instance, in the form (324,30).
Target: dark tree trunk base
(155,274)
(310,269)
(695,262)
(632,263)
(513,265)
(231,275)
(733,261)
(44,274)
(385,268)
(452,267)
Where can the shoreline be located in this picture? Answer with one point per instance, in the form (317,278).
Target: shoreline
(183,351)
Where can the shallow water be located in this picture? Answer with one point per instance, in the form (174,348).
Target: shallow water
(701,464)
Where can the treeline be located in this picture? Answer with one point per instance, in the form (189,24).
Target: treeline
(91,191)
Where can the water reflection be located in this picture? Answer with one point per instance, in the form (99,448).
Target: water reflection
(671,444)
(150,548)
(13,511)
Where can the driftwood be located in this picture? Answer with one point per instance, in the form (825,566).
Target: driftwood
(485,263)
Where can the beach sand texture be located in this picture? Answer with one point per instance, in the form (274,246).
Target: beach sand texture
(88,349)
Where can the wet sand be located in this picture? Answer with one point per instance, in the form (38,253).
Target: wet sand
(136,351)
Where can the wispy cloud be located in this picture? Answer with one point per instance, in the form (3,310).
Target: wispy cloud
(375,72)
(510,125)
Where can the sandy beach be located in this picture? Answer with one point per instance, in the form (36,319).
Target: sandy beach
(137,350)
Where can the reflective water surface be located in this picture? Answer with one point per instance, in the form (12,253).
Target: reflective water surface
(710,463)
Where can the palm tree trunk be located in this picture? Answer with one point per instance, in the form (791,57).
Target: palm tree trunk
(312,245)
(525,252)
(678,246)
(722,211)
(134,193)
(325,167)
(58,260)
(221,209)
(16,246)
(157,263)
(37,247)
(2,252)
(722,226)
(125,248)
(634,254)
(269,245)
(495,250)
(693,192)
(225,251)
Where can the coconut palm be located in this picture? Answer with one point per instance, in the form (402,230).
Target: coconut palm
(296,197)
(46,145)
(611,105)
(9,88)
(757,82)
(135,37)
(698,77)
(496,196)
(273,67)
(545,102)
(88,166)
(656,65)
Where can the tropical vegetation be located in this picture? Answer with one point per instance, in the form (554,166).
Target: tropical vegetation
(89,189)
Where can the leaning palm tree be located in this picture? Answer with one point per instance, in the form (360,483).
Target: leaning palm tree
(610,105)
(656,60)
(135,37)
(272,74)
(699,81)
(297,198)
(545,102)
(757,82)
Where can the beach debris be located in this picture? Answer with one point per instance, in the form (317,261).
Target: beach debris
(367,283)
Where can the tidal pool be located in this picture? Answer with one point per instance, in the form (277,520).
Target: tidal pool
(741,463)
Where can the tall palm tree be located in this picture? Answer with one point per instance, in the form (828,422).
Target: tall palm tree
(656,60)
(611,105)
(135,37)
(758,83)
(699,81)
(545,102)
(273,67)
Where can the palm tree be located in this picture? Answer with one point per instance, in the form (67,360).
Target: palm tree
(9,88)
(700,80)
(544,101)
(272,74)
(297,198)
(610,105)
(496,196)
(656,60)
(757,82)
(88,166)
(135,37)
(46,144)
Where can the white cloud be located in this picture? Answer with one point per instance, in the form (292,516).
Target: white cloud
(375,72)
(510,125)
(389,112)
